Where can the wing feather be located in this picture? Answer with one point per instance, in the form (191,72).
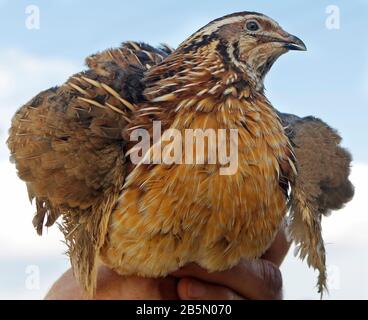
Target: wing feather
(322,185)
(68,146)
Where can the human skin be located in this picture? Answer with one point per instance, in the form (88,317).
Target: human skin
(250,279)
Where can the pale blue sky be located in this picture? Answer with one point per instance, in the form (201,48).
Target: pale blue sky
(329,81)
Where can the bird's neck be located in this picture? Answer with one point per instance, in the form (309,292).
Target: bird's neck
(200,74)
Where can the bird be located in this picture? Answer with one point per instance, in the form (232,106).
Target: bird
(72,147)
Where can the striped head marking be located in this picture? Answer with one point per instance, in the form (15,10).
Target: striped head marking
(248,41)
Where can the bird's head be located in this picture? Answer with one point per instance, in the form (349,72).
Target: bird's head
(247,41)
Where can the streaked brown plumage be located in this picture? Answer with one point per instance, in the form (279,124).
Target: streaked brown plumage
(69,145)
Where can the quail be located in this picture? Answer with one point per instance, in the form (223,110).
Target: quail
(71,145)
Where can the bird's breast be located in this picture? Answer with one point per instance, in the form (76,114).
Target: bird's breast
(188,207)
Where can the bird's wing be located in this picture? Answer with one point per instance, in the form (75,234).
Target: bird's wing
(322,185)
(68,147)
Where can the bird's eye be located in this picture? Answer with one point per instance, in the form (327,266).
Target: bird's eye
(252,26)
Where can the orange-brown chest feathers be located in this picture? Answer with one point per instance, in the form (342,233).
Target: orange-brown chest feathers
(169,215)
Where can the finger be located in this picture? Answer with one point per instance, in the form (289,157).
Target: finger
(252,279)
(278,249)
(192,289)
(137,288)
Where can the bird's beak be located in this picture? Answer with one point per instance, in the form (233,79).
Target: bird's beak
(294,43)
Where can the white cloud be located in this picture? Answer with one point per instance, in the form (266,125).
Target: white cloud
(18,239)
(350,224)
(6,83)
(23,75)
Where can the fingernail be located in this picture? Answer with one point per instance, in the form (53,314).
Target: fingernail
(196,290)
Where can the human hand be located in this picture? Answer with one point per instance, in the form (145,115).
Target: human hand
(256,279)
(112,286)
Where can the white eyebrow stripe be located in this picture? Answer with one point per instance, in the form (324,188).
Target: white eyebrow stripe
(218,24)
(213,27)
